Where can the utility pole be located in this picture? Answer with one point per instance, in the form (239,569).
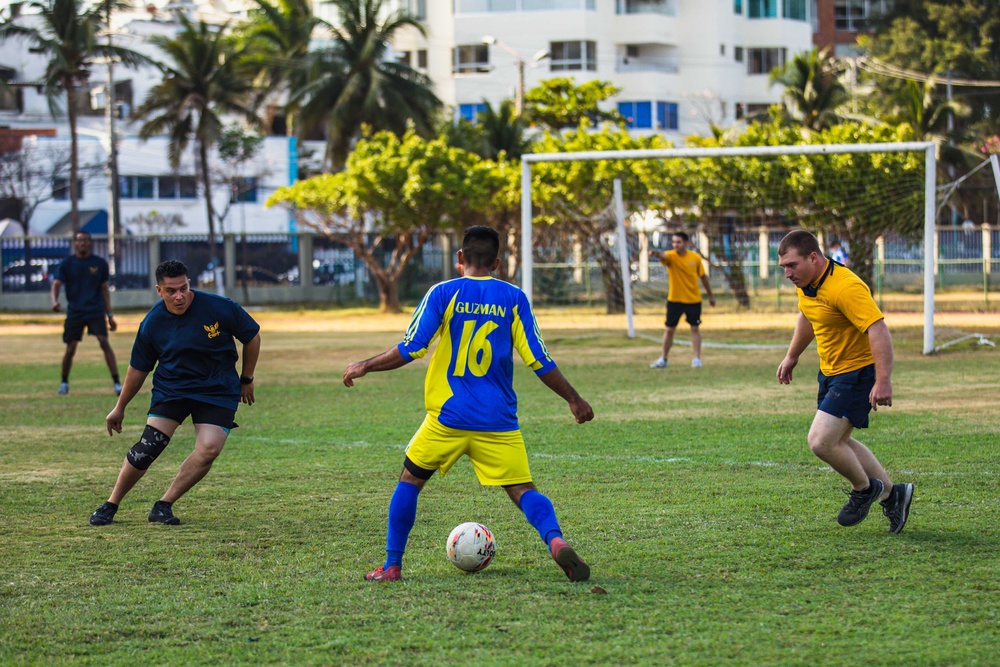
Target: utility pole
(114,211)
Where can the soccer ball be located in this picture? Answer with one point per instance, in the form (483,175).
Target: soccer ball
(471,546)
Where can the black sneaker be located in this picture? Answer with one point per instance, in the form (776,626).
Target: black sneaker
(856,509)
(103,515)
(161,513)
(897,506)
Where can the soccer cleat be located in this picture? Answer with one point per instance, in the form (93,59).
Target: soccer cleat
(63,388)
(103,515)
(566,558)
(659,363)
(118,389)
(859,502)
(381,573)
(897,506)
(161,513)
(696,363)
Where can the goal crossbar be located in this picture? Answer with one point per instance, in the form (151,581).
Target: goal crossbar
(930,185)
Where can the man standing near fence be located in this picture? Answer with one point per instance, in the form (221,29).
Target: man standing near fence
(855,360)
(684,268)
(88,302)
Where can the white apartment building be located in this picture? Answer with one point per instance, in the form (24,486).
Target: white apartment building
(681,64)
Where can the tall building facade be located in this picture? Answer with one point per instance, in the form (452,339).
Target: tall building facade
(839,22)
(680,64)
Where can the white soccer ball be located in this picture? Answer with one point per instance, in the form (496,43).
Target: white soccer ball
(471,546)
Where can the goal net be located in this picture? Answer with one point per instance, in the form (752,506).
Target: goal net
(735,204)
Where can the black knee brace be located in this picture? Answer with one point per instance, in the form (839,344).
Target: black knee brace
(150,445)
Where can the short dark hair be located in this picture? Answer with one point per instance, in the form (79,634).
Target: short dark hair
(82,233)
(172,268)
(683,236)
(481,246)
(804,242)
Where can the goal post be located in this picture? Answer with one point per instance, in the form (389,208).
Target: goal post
(529,160)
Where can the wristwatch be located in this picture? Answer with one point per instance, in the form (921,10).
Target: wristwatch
(244,379)
(111,316)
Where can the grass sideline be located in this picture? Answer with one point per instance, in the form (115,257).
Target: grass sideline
(693,495)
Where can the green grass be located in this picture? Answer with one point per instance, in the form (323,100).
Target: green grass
(692,494)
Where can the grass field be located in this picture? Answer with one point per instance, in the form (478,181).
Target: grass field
(692,494)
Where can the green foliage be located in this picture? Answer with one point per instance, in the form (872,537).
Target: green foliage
(693,496)
(355,83)
(560,103)
(813,91)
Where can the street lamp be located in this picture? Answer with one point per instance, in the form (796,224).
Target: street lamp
(519,90)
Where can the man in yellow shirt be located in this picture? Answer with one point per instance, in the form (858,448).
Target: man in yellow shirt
(684,268)
(855,360)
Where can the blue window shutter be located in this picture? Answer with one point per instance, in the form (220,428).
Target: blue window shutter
(644,114)
(627,110)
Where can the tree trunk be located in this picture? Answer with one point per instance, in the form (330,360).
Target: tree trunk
(74,157)
(206,183)
(611,277)
(736,280)
(388,294)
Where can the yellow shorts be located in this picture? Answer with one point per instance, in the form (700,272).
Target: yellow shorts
(498,457)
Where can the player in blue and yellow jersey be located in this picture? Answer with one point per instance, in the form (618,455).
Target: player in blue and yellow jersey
(469,395)
(855,360)
(685,268)
(189,338)
(88,302)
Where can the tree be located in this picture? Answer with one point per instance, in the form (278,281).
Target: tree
(355,83)
(935,37)
(205,80)
(68,34)
(559,103)
(277,38)
(574,198)
(813,91)
(236,149)
(391,196)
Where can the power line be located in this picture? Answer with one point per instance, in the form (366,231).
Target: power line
(885,69)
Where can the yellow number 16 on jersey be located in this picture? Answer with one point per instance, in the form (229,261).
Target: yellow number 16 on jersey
(474,351)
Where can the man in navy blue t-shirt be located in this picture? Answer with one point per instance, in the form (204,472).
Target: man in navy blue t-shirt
(88,301)
(188,337)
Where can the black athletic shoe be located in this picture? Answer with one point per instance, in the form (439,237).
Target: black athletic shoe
(161,513)
(103,515)
(856,509)
(897,506)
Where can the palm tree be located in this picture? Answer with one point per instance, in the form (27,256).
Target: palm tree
(813,91)
(205,81)
(504,131)
(68,33)
(354,83)
(278,37)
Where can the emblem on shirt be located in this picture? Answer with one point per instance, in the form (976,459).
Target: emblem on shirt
(93,270)
(212,329)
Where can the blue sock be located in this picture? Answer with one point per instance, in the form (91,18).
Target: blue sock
(539,512)
(402,514)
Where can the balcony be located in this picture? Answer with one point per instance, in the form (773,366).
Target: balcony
(665,7)
(639,64)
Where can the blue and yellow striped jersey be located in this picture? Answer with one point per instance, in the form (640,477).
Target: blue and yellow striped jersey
(470,381)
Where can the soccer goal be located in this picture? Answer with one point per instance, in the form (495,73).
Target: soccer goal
(736,203)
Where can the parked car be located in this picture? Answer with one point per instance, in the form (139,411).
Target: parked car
(255,275)
(34,276)
(333,274)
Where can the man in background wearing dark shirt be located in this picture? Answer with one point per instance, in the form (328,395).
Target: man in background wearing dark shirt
(87,303)
(188,336)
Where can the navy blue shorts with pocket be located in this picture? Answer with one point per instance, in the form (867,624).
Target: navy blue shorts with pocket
(200,413)
(847,394)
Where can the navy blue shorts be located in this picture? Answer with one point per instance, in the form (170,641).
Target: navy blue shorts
(847,395)
(692,311)
(73,327)
(200,413)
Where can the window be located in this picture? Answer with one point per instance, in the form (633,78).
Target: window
(645,7)
(573,56)
(474,58)
(853,14)
(481,6)
(738,7)
(743,110)
(177,187)
(419,9)
(762,61)
(795,10)
(470,112)
(244,190)
(762,9)
(405,57)
(666,116)
(638,115)
(722,49)
(738,54)
(422,59)
(60,189)
(137,187)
